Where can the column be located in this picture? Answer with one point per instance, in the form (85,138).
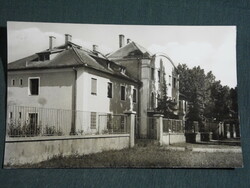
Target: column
(131,125)
(159,128)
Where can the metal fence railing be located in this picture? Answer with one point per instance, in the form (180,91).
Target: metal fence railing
(23,121)
(172,125)
(113,124)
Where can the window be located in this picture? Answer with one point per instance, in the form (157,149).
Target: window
(169,80)
(93,86)
(10,115)
(33,123)
(123,93)
(33,86)
(134,95)
(122,122)
(93,120)
(159,75)
(152,73)
(13,82)
(174,82)
(110,88)
(20,115)
(21,82)
(152,100)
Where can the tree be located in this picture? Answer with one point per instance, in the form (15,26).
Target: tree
(165,105)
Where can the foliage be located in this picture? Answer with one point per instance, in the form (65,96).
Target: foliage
(16,130)
(52,131)
(207,98)
(165,105)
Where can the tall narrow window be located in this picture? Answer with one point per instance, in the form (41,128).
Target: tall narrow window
(34,86)
(123,93)
(93,86)
(20,115)
(152,100)
(169,80)
(21,82)
(134,96)
(10,115)
(33,123)
(93,120)
(13,82)
(110,88)
(174,82)
(152,73)
(159,76)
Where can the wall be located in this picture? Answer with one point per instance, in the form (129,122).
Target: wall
(174,138)
(100,103)
(55,89)
(34,150)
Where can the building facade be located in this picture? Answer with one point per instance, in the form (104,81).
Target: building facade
(88,85)
(156,72)
(82,82)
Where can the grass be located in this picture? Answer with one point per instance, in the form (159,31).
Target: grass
(151,156)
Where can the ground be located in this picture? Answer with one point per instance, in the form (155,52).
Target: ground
(153,156)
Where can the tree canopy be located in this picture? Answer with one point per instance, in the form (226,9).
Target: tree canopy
(207,97)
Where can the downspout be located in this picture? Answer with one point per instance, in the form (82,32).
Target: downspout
(74,90)
(139,100)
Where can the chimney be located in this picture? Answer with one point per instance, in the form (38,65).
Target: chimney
(95,48)
(121,41)
(68,38)
(128,41)
(51,42)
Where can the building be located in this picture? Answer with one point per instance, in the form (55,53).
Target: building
(88,85)
(153,70)
(83,83)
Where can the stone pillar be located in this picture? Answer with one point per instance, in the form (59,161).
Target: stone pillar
(227,132)
(131,125)
(159,128)
(232,130)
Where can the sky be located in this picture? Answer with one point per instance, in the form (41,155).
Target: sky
(213,48)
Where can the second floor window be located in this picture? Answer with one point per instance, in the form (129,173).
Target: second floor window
(134,95)
(21,81)
(110,87)
(93,86)
(174,82)
(13,82)
(123,93)
(152,73)
(33,86)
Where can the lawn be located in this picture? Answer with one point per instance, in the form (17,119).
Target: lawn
(151,156)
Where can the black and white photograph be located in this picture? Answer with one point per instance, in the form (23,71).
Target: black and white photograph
(121,96)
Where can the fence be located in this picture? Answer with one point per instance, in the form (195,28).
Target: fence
(25,121)
(172,125)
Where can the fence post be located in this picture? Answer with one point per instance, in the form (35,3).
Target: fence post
(131,125)
(159,127)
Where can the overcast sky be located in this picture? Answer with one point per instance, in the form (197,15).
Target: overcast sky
(211,47)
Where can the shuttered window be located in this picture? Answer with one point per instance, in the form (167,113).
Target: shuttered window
(93,86)
(93,120)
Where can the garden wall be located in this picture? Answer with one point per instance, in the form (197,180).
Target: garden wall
(36,149)
(171,138)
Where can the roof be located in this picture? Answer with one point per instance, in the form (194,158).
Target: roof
(71,56)
(131,50)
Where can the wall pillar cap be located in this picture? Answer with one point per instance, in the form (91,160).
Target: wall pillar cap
(129,112)
(158,115)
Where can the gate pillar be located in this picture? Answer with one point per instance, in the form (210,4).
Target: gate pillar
(131,125)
